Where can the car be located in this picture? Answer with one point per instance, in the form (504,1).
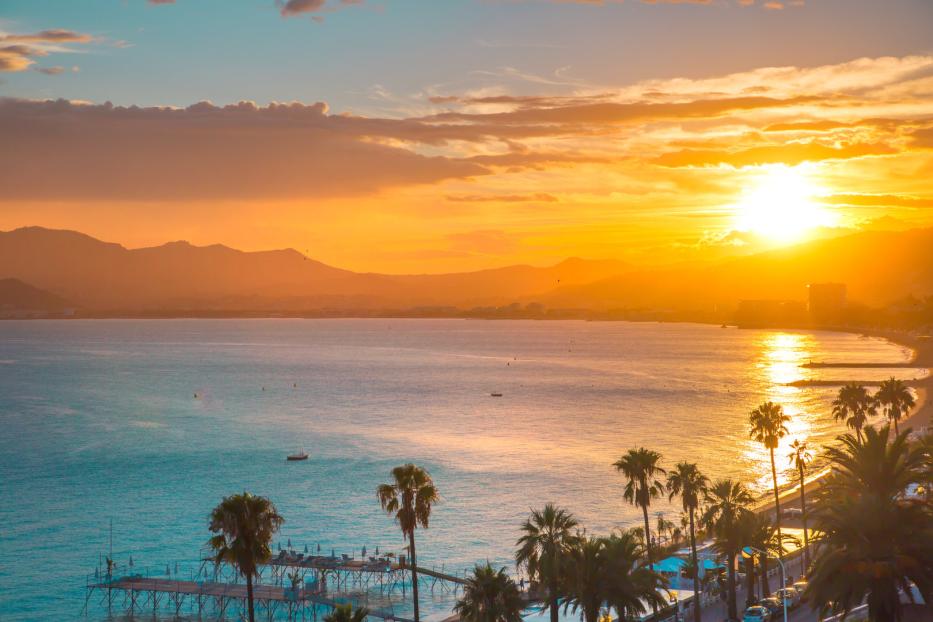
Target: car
(756,613)
(801,587)
(773,605)
(790,595)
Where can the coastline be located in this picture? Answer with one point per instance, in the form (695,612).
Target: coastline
(918,419)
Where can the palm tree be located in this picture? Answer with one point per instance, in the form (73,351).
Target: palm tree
(244,525)
(409,496)
(767,425)
(761,534)
(641,468)
(346,613)
(853,405)
(604,571)
(490,596)
(542,550)
(727,504)
(895,399)
(800,457)
(874,542)
(686,481)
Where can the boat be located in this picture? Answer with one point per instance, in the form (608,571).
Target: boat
(496,394)
(298,455)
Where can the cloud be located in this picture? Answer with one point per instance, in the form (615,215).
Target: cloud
(790,154)
(878,200)
(539,197)
(161,1)
(18,57)
(55,35)
(19,51)
(51,71)
(67,151)
(292,8)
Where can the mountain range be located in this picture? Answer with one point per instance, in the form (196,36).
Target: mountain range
(878,267)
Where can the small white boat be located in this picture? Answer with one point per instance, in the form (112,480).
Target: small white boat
(298,455)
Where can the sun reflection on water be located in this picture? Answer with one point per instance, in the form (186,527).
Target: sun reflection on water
(781,357)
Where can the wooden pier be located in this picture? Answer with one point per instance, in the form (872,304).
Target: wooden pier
(291,586)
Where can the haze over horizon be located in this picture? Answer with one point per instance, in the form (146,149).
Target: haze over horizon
(404,137)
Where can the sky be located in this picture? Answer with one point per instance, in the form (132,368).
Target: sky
(439,136)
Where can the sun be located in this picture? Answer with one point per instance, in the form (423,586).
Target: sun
(781,206)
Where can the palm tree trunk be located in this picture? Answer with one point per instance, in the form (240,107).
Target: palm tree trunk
(777,507)
(414,572)
(249,597)
(644,509)
(749,581)
(765,587)
(730,587)
(803,515)
(552,598)
(697,614)
(895,426)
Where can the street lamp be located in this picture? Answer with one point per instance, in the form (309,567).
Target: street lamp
(749,551)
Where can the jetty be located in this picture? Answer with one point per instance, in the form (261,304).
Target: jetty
(290,586)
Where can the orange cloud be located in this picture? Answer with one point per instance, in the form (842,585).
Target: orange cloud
(791,154)
(540,197)
(19,51)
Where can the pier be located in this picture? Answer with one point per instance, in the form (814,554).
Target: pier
(290,586)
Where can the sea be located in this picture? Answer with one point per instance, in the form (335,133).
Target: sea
(122,435)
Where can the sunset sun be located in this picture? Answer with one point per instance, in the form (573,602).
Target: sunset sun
(781,205)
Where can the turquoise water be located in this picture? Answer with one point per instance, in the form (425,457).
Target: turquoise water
(99,422)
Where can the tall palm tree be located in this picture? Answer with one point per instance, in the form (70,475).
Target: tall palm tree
(409,496)
(768,425)
(895,400)
(686,481)
(490,596)
(801,457)
(853,405)
(548,535)
(727,504)
(874,542)
(642,469)
(604,571)
(244,525)
(346,613)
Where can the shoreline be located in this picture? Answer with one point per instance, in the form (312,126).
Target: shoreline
(918,419)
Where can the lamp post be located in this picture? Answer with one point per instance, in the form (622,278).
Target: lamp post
(749,551)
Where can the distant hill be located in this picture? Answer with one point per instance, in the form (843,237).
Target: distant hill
(105,276)
(16,295)
(878,268)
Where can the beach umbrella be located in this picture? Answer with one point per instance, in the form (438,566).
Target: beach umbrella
(364,551)
(306,548)
(377,550)
(289,543)
(318,547)
(332,553)
(131,561)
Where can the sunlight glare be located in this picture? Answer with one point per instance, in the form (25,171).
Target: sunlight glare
(781,205)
